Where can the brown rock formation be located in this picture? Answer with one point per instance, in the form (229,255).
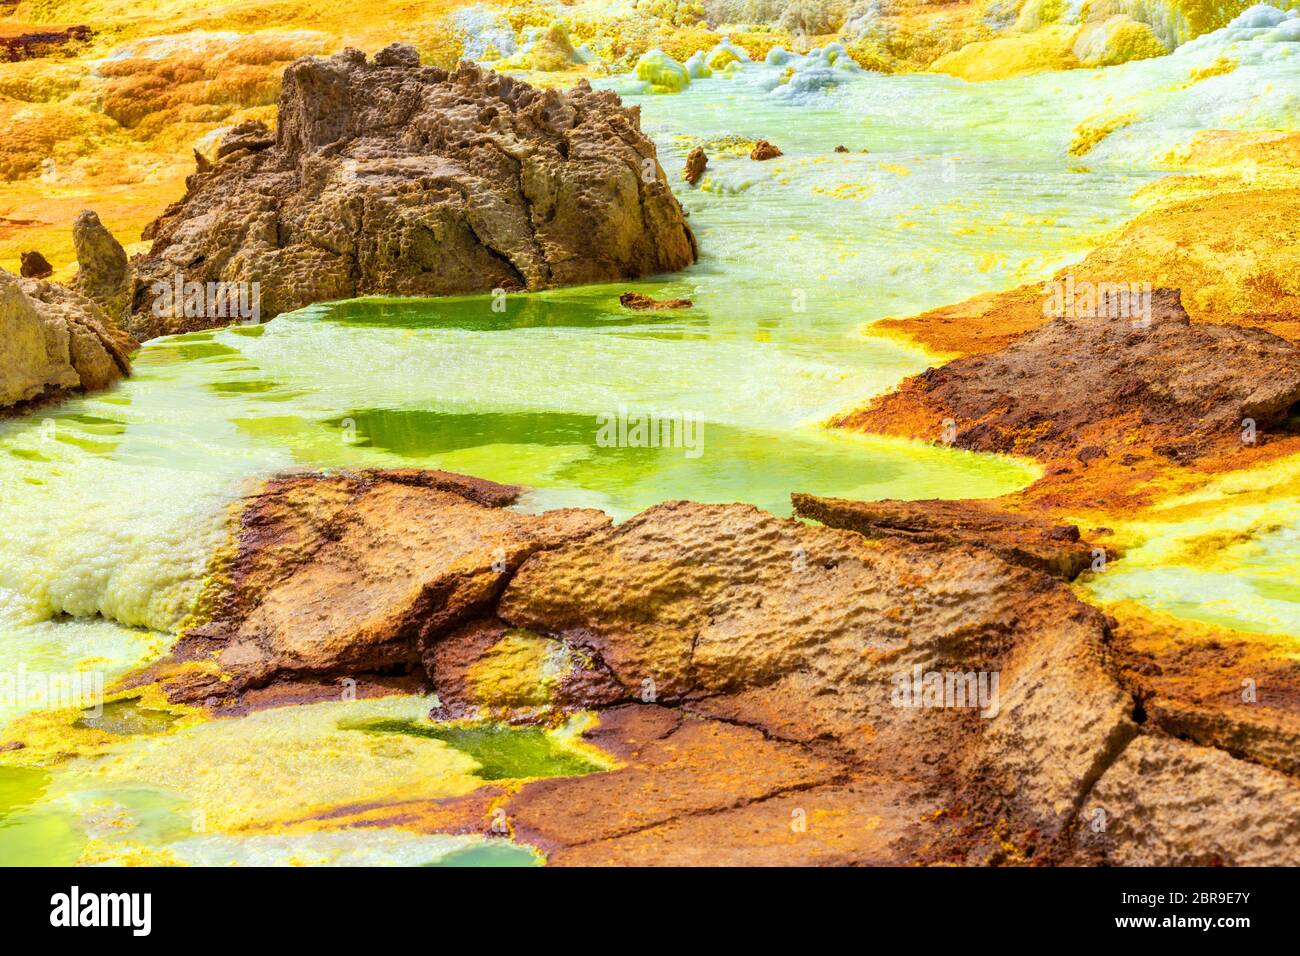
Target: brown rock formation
(764,150)
(54,342)
(637,301)
(33,265)
(352,574)
(103,273)
(1021,539)
(388,178)
(696,161)
(1086,385)
(1236,692)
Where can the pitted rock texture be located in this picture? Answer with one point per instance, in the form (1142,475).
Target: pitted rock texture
(1101,383)
(1021,539)
(810,632)
(385,177)
(104,274)
(1166,802)
(54,342)
(338,576)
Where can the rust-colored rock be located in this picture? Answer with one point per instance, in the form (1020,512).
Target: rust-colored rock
(773,692)
(35,44)
(1021,539)
(33,265)
(337,576)
(764,150)
(1237,692)
(812,634)
(1077,386)
(639,302)
(696,161)
(385,177)
(690,767)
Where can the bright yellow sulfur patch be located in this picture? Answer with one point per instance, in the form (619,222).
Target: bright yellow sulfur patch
(286,763)
(1008,56)
(1092,131)
(50,736)
(518,671)
(1219,67)
(1115,40)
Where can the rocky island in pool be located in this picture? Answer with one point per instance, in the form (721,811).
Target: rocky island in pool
(650,433)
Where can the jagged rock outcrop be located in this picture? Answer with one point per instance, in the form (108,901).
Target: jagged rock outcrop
(1085,386)
(53,341)
(337,576)
(1021,539)
(696,161)
(104,274)
(385,177)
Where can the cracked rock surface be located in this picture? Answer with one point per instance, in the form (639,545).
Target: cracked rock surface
(385,177)
(352,574)
(766,688)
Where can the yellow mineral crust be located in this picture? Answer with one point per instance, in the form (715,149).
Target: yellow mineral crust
(286,763)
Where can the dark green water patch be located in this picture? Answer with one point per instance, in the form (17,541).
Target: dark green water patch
(96,425)
(418,433)
(27,454)
(188,348)
(502,753)
(495,854)
(102,448)
(261,389)
(476,313)
(127,718)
